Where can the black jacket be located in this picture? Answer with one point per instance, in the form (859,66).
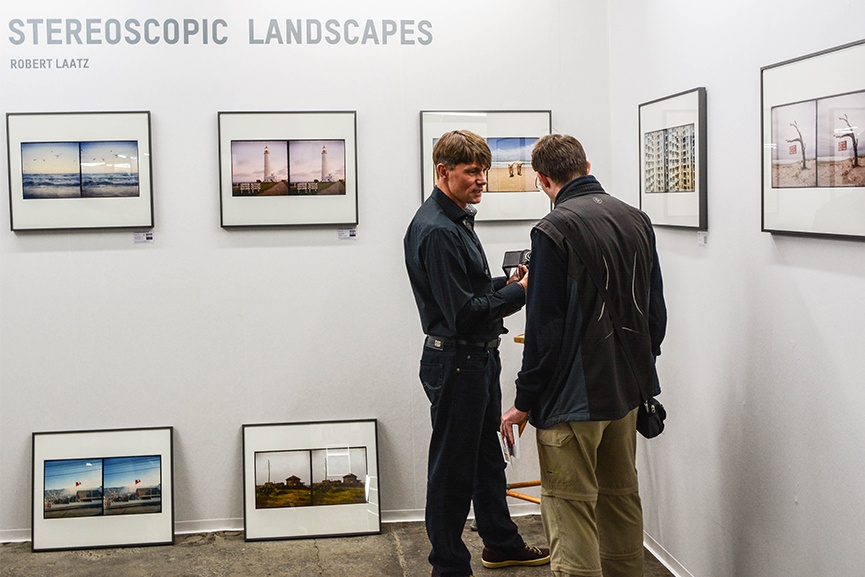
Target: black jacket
(574,366)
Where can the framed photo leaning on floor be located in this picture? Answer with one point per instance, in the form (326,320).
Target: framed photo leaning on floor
(108,488)
(304,480)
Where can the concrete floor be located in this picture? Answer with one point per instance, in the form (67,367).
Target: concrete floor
(400,551)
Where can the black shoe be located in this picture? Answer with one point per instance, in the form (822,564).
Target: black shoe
(530,556)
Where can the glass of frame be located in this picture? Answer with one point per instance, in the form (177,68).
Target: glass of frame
(305,480)
(813,119)
(673,160)
(75,170)
(110,488)
(287,168)
(511,192)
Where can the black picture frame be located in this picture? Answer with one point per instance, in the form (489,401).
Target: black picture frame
(79,170)
(310,479)
(813,177)
(516,197)
(102,488)
(292,193)
(673,149)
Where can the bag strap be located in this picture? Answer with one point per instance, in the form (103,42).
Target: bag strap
(580,249)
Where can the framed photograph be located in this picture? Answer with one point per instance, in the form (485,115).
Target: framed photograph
(673,160)
(512,192)
(287,168)
(813,121)
(305,480)
(77,170)
(94,489)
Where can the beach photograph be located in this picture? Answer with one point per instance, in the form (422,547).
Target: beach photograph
(132,485)
(511,169)
(840,125)
(794,152)
(316,167)
(73,488)
(259,167)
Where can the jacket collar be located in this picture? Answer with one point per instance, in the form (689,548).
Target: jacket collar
(580,186)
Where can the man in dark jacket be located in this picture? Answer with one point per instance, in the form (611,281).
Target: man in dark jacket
(594,265)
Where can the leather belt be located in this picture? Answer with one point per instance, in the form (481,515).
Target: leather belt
(440,342)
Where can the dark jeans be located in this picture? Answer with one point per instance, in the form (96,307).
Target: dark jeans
(465,459)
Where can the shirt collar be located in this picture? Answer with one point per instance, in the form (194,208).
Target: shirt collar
(451,209)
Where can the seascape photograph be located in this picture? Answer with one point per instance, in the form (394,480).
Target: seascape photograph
(109,169)
(54,170)
(259,167)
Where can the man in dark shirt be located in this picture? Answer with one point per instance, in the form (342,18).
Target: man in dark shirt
(461,310)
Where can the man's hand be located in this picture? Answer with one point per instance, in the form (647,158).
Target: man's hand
(513,416)
(520,275)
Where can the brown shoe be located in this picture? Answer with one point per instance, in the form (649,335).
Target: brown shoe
(530,556)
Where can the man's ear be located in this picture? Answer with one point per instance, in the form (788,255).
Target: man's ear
(588,167)
(441,171)
(545,180)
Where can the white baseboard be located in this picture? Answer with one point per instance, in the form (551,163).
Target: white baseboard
(236,524)
(667,560)
(14,535)
(208,526)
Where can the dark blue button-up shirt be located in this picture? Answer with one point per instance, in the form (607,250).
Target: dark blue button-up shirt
(450,277)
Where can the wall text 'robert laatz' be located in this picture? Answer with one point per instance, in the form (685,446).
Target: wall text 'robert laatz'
(48,63)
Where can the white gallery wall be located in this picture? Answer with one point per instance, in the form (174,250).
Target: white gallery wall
(208,329)
(760,470)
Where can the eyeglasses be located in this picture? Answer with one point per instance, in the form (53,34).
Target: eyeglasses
(538,185)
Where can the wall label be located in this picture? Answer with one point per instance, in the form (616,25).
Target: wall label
(44,63)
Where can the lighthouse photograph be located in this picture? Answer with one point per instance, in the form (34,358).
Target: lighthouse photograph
(316,167)
(259,167)
(287,168)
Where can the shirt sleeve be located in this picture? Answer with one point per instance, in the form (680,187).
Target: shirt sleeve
(445,260)
(545,314)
